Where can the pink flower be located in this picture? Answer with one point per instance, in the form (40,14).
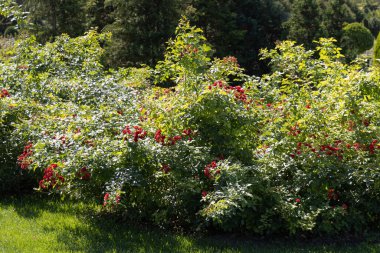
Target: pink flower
(298,200)
(106,198)
(117,199)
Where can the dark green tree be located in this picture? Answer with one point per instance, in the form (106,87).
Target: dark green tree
(140,30)
(304,24)
(54,17)
(241,27)
(356,39)
(335,14)
(371,10)
(377,50)
(98,14)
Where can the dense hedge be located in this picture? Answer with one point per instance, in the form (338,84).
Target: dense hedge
(293,151)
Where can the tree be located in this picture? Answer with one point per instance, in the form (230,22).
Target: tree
(98,14)
(335,14)
(12,17)
(241,27)
(54,17)
(377,50)
(371,9)
(313,19)
(140,30)
(356,39)
(304,22)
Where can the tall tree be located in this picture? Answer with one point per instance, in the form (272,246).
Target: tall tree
(312,19)
(335,14)
(140,30)
(98,14)
(241,27)
(376,51)
(53,17)
(304,22)
(356,39)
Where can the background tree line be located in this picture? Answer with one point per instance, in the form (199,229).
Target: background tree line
(140,28)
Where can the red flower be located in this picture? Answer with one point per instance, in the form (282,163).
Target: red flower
(212,166)
(23,160)
(332,195)
(51,178)
(372,147)
(126,130)
(106,198)
(84,174)
(177,138)
(207,172)
(53,165)
(166,168)
(4,93)
(138,134)
(204,194)
(63,139)
(117,199)
(298,200)
(42,184)
(218,83)
(159,137)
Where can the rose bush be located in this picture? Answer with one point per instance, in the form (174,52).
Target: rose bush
(293,151)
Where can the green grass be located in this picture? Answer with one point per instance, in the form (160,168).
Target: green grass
(37,224)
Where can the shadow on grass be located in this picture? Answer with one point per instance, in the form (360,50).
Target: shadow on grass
(80,229)
(32,206)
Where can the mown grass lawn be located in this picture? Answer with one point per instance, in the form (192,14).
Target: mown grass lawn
(37,224)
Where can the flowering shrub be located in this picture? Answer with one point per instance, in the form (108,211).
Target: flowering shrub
(296,150)
(13,178)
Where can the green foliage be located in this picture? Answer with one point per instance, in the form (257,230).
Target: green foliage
(12,17)
(377,49)
(295,151)
(241,28)
(12,178)
(51,18)
(356,39)
(371,12)
(140,30)
(313,19)
(186,57)
(335,14)
(304,22)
